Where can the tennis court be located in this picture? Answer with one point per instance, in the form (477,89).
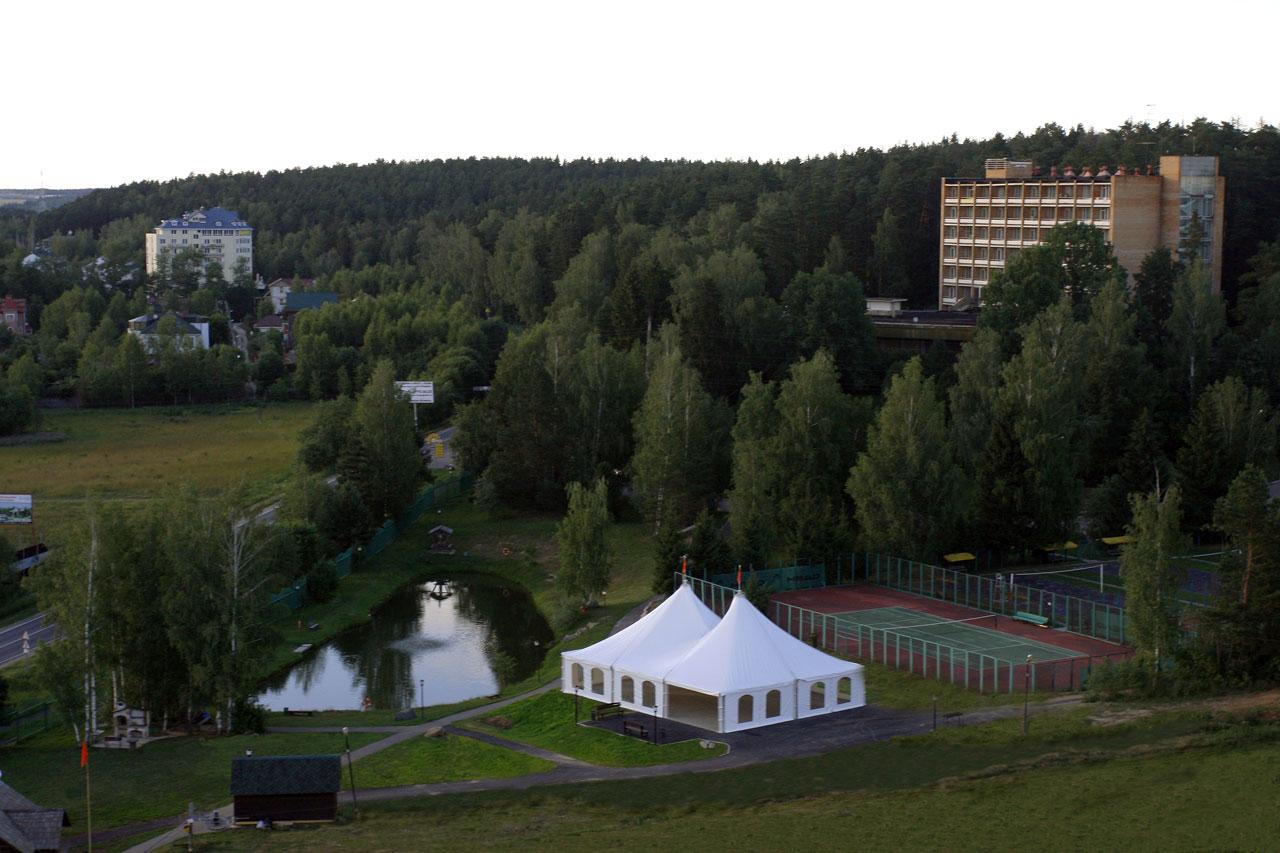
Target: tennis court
(979,635)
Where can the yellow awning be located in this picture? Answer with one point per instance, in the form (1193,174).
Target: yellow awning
(1062,546)
(1116,540)
(958,557)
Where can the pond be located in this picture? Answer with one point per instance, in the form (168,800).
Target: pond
(433,642)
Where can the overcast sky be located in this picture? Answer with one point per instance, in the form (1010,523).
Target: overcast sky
(122,91)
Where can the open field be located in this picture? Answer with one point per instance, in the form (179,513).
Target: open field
(130,455)
(448,758)
(547,721)
(1171,782)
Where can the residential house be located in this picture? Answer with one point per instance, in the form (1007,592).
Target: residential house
(14,311)
(279,289)
(191,331)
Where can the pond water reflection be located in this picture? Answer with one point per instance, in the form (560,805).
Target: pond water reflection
(451,640)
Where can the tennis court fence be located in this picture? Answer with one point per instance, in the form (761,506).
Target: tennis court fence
(1079,615)
(941,661)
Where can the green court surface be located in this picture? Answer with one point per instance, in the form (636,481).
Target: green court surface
(977,636)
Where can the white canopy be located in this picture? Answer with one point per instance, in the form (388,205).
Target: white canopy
(746,651)
(662,635)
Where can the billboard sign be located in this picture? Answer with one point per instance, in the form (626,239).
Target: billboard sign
(15,509)
(418,392)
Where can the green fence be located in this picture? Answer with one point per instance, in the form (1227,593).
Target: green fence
(1078,615)
(295,595)
(780,579)
(24,722)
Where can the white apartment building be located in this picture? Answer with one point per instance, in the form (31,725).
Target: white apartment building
(220,234)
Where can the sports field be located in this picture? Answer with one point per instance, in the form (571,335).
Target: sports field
(978,635)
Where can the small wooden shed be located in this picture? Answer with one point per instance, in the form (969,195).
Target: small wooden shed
(286,787)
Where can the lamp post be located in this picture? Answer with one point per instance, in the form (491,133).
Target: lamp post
(346,736)
(422,694)
(1026,695)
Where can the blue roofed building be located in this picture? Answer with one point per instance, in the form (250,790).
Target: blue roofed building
(217,233)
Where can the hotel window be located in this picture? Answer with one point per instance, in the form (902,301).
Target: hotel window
(997,213)
(1012,253)
(980,253)
(1029,235)
(1033,191)
(997,253)
(949,232)
(984,192)
(997,233)
(948,251)
(1015,191)
(951,192)
(949,292)
(1066,192)
(1064,214)
(1102,214)
(980,233)
(1014,213)
(950,213)
(1030,214)
(966,232)
(1083,214)
(966,273)
(984,213)
(997,193)
(949,273)
(1050,191)
(1102,191)
(966,192)
(966,253)
(980,274)
(966,213)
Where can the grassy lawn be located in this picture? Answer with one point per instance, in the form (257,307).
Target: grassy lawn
(1139,786)
(130,455)
(448,758)
(155,781)
(893,688)
(547,721)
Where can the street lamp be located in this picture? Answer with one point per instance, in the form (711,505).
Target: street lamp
(422,694)
(1026,694)
(346,736)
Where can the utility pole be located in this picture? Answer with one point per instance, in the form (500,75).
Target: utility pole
(351,771)
(1026,696)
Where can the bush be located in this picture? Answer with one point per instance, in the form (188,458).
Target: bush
(249,718)
(322,582)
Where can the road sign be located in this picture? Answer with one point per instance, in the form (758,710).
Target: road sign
(419,392)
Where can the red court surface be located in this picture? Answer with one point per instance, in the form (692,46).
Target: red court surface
(931,660)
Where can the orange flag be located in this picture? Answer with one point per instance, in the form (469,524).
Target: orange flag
(84,753)
(684,565)
(739,576)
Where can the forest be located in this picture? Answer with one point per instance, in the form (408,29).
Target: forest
(677,333)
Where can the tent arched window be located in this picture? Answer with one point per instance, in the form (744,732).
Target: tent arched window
(844,690)
(628,689)
(773,703)
(647,695)
(597,680)
(746,708)
(576,675)
(817,695)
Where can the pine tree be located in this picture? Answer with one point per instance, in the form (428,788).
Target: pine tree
(1003,515)
(381,457)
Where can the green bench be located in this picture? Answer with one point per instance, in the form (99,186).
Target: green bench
(1042,621)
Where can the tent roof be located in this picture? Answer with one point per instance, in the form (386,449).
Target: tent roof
(652,643)
(746,651)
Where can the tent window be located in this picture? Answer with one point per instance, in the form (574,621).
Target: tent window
(576,675)
(817,695)
(597,680)
(647,695)
(773,703)
(746,708)
(628,689)
(844,690)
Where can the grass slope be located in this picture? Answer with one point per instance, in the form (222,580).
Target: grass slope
(449,758)
(547,721)
(1138,786)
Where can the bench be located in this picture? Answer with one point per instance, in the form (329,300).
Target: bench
(296,713)
(635,730)
(607,710)
(1042,621)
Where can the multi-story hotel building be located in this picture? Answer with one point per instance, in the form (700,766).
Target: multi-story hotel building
(221,235)
(986,221)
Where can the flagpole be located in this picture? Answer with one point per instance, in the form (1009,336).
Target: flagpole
(88,803)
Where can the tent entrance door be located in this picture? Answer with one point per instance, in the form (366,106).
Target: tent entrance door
(696,709)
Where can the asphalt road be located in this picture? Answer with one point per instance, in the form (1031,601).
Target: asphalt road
(13,648)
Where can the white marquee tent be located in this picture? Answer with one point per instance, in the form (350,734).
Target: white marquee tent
(737,673)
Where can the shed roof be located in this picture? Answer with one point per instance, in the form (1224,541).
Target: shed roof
(285,774)
(296,301)
(27,827)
